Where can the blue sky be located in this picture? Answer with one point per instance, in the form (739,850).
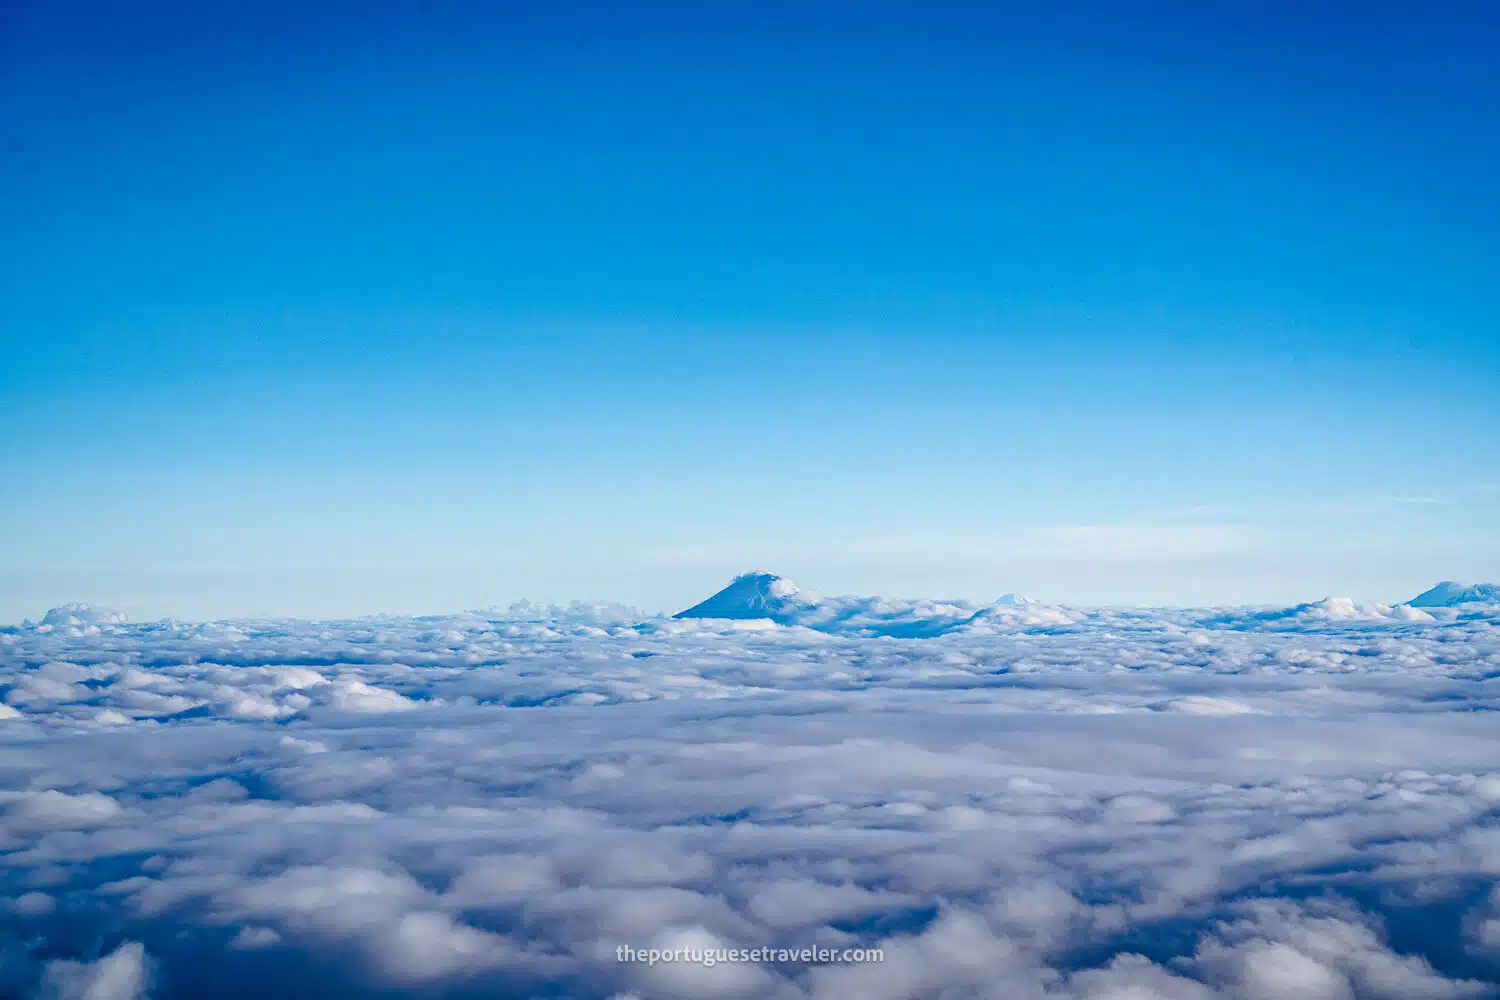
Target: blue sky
(335,309)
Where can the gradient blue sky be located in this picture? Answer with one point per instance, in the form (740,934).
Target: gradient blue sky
(331,309)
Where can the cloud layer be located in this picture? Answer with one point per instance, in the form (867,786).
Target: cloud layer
(1027,802)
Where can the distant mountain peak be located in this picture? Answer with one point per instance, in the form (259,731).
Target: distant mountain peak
(1450,593)
(756,594)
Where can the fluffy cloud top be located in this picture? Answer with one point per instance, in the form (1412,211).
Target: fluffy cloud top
(1016,802)
(120,975)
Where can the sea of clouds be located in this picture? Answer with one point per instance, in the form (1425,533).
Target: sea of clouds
(1014,802)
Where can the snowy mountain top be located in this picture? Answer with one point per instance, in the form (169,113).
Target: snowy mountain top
(756,594)
(1450,594)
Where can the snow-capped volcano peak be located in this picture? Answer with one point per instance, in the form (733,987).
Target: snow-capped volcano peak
(756,594)
(1450,593)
